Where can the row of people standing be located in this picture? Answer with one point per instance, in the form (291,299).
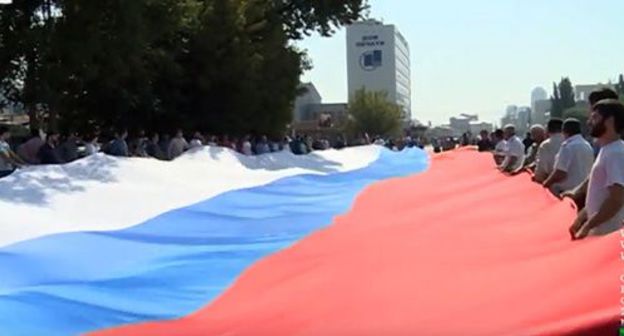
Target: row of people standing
(565,162)
(36,150)
(51,148)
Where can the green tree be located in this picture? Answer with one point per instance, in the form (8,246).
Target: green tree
(217,65)
(562,98)
(566,93)
(113,57)
(372,113)
(302,18)
(238,82)
(556,109)
(26,28)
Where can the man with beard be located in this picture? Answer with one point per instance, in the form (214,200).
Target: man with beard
(579,194)
(604,211)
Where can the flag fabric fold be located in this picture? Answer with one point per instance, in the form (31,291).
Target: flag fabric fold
(457,250)
(172,264)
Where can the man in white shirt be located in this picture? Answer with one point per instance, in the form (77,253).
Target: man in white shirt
(545,161)
(498,138)
(538,135)
(514,151)
(573,162)
(604,209)
(579,194)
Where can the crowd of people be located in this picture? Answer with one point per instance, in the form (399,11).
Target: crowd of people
(587,168)
(52,148)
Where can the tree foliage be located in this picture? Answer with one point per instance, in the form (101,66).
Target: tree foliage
(562,98)
(211,65)
(620,85)
(302,17)
(371,112)
(556,111)
(26,29)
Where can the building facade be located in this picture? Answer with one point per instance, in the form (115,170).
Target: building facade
(477,126)
(467,123)
(461,124)
(539,93)
(541,111)
(378,59)
(519,117)
(582,92)
(309,96)
(312,116)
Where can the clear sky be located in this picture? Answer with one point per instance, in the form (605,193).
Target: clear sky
(480,56)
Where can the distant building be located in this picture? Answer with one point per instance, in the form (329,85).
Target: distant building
(378,59)
(310,114)
(520,117)
(468,123)
(511,115)
(477,126)
(523,122)
(461,124)
(582,92)
(538,94)
(331,114)
(540,112)
(310,96)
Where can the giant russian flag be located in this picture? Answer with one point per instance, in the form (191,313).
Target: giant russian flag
(356,242)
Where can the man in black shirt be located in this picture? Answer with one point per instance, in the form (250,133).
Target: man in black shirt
(485,144)
(48,154)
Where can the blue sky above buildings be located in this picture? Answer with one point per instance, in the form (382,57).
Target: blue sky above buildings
(480,56)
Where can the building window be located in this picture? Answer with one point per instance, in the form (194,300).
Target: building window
(371,60)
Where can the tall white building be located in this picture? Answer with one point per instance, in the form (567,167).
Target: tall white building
(378,59)
(540,104)
(538,94)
